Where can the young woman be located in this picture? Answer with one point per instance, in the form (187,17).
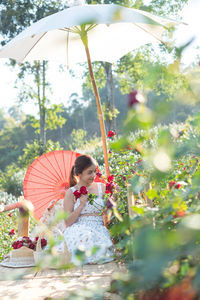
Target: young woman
(84,226)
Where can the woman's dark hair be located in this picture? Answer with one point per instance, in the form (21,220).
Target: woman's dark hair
(81,163)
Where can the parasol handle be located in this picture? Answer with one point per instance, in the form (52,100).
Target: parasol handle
(4,208)
(23,225)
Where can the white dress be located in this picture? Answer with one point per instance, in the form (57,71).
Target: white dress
(89,232)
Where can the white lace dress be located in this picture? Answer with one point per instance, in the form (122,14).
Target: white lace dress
(89,233)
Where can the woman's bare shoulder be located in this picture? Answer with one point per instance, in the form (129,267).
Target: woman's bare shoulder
(69,193)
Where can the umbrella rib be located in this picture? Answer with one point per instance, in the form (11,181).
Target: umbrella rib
(33,46)
(38,208)
(54,168)
(41,193)
(157,38)
(38,188)
(58,167)
(49,200)
(53,181)
(64,164)
(49,169)
(40,178)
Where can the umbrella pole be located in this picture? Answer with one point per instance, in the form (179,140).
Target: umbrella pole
(101,121)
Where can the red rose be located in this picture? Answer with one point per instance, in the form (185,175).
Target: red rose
(109,188)
(132,98)
(99,174)
(31,246)
(109,152)
(110,178)
(14,245)
(111,133)
(177,186)
(77,194)
(172,183)
(43,242)
(19,244)
(10,214)
(12,232)
(83,190)
(124,178)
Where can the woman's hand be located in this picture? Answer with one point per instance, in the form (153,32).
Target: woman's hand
(83,200)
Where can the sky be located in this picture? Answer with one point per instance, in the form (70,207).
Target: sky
(63,84)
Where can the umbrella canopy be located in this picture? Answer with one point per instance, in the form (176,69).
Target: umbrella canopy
(101,32)
(48,178)
(112,32)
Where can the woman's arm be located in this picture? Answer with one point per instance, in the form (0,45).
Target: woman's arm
(69,207)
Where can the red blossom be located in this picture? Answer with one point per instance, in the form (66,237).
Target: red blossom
(77,194)
(109,188)
(179,214)
(110,178)
(10,215)
(177,186)
(109,152)
(172,183)
(32,246)
(124,178)
(98,174)
(43,242)
(135,98)
(132,98)
(12,232)
(111,133)
(83,190)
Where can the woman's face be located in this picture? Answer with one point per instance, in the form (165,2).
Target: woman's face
(88,175)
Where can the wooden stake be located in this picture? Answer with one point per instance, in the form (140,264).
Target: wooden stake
(23,225)
(131,200)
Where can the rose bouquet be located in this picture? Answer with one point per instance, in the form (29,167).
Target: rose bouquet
(28,242)
(84,191)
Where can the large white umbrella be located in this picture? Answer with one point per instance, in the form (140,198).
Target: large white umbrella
(102,32)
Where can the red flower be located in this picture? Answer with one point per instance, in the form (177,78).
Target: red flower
(109,152)
(177,186)
(43,242)
(172,183)
(110,178)
(132,98)
(31,246)
(179,214)
(124,178)
(12,232)
(77,194)
(14,245)
(83,190)
(111,133)
(19,244)
(10,215)
(99,174)
(109,188)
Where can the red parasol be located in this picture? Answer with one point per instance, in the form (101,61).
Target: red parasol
(47,179)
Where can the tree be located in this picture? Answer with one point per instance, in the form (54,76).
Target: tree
(160,7)
(21,14)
